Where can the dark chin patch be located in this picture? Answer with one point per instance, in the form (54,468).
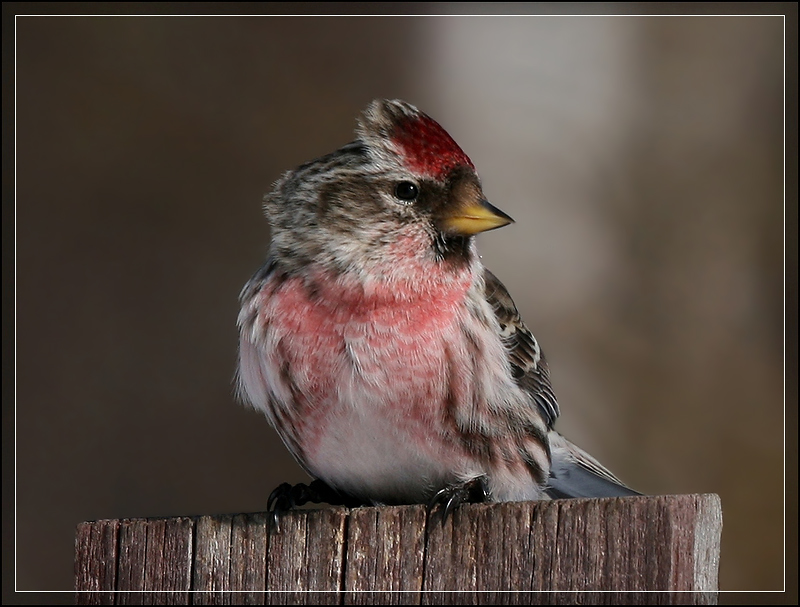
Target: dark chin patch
(453,250)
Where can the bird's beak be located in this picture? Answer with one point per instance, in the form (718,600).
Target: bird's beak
(478,215)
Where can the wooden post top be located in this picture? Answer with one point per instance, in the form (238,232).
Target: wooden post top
(645,550)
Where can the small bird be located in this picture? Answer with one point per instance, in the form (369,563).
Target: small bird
(394,366)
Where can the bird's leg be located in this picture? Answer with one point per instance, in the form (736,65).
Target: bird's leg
(285,497)
(473,491)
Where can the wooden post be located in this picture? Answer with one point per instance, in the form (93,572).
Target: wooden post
(635,550)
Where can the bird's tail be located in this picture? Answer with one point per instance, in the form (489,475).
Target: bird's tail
(575,473)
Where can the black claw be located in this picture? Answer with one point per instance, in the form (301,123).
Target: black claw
(322,492)
(280,500)
(285,497)
(449,506)
(473,491)
(279,494)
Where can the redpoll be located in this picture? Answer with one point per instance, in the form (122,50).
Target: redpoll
(393,365)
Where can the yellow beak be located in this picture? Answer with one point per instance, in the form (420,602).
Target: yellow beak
(475,217)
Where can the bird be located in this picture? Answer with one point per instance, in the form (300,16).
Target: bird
(393,365)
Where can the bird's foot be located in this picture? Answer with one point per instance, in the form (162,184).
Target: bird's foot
(285,497)
(473,491)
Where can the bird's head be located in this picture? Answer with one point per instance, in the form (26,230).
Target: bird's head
(402,197)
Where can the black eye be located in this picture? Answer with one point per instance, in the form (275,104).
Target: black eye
(405,190)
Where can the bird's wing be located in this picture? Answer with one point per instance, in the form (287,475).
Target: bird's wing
(528,364)
(575,473)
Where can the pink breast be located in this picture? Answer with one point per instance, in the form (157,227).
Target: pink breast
(343,349)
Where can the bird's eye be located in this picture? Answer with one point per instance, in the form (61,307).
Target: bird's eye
(406,191)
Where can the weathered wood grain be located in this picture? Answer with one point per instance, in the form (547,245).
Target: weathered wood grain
(306,558)
(638,550)
(211,576)
(248,579)
(168,562)
(385,556)
(155,562)
(96,562)
(131,568)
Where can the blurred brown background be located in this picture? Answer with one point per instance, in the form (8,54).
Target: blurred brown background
(642,158)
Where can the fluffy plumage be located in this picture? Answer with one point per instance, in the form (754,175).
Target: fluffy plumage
(389,360)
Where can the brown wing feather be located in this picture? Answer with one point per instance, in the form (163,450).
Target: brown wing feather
(528,364)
